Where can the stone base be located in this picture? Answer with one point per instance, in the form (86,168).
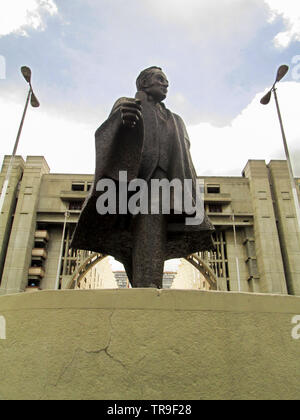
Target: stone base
(149,344)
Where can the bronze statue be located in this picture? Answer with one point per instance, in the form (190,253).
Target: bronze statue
(144,140)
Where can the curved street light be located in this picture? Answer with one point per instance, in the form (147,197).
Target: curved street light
(27,76)
(281,72)
(26,72)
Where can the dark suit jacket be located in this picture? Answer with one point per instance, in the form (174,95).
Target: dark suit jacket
(137,151)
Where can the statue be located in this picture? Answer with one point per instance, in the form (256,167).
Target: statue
(142,140)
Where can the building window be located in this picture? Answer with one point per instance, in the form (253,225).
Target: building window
(213,189)
(78,186)
(75,205)
(215,208)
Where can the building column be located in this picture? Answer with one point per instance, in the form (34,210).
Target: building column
(9,205)
(287,223)
(239,274)
(18,257)
(268,250)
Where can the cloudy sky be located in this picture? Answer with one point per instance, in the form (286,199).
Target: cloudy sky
(220,57)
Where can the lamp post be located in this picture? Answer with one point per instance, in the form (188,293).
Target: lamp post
(26,72)
(281,72)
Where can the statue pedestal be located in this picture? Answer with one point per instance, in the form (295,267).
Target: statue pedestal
(149,344)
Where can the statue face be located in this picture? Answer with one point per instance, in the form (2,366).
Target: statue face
(157,86)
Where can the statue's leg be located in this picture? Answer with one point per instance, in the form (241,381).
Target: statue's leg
(148,256)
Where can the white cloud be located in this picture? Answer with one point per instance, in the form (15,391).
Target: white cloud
(218,20)
(67,144)
(229,20)
(16,15)
(290,11)
(254,134)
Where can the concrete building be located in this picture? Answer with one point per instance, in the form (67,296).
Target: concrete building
(257,236)
(188,277)
(100,276)
(123,283)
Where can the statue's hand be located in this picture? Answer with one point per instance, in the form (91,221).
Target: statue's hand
(131,113)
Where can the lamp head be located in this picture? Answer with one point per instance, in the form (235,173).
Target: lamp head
(26,73)
(33,100)
(266,99)
(281,72)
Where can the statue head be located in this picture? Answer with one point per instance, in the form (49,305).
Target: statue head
(154,82)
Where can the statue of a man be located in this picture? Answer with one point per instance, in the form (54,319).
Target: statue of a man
(144,142)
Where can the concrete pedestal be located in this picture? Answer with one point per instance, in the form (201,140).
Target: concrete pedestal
(149,344)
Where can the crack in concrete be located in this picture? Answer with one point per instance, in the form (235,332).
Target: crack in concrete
(105,349)
(109,343)
(64,369)
(98,351)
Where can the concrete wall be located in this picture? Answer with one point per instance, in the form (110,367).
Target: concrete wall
(9,204)
(149,344)
(287,224)
(18,257)
(268,251)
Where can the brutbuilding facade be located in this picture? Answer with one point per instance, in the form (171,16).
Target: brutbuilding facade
(257,236)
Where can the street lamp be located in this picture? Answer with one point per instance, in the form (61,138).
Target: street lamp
(26,72)
(281,72)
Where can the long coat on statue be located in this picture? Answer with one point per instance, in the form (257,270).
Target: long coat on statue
(160,139)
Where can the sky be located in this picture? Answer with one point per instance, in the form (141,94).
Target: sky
(220,57)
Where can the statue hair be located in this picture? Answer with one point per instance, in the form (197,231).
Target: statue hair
(144,76)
